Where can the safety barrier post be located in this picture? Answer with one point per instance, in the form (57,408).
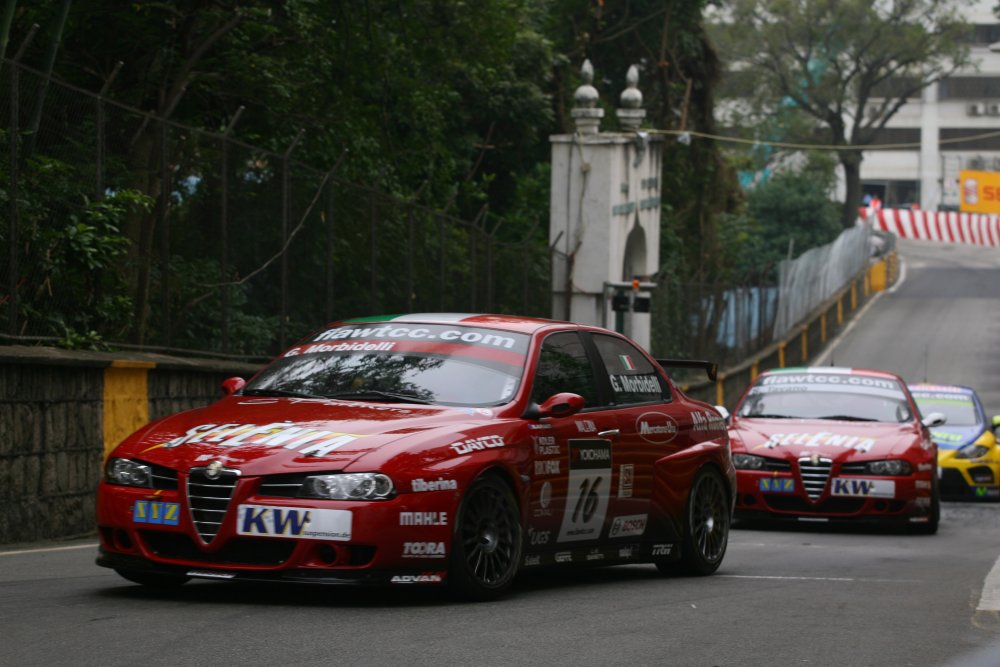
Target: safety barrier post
(781,355)
(805,343)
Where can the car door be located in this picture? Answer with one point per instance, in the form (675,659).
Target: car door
(650,427)
(572,468)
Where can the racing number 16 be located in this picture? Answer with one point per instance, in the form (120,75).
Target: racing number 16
(587,502)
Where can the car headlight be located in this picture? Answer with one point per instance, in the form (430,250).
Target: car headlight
(972,451)
(129,473)
(348,486)
(748,462)
(894,467)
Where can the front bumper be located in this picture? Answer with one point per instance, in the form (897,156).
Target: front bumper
(782,497)
(969,480)
(383,545)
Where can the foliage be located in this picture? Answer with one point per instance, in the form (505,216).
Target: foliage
(847,66)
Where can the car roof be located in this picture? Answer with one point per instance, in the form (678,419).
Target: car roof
(514,323)
(942,388)
(834,370)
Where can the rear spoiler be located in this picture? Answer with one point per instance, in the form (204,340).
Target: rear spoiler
(711,368)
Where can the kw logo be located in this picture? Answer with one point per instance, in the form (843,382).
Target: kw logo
(274,521)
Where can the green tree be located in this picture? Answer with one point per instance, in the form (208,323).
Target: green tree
(848,65)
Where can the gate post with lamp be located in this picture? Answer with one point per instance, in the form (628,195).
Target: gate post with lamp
(604,214)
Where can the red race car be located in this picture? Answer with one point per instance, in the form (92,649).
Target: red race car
(835,444)
(426,449)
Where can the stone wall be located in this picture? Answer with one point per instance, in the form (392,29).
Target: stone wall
(55,425)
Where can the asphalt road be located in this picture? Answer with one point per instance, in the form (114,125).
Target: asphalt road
(799,596)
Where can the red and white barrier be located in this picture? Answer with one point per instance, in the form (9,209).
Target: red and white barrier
(970,228)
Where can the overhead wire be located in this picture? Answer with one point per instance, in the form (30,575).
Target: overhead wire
(817,147)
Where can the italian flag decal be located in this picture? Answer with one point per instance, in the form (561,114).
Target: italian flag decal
(626,362)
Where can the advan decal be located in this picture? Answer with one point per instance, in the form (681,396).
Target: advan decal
(589,489)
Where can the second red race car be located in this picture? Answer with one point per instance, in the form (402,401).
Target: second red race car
(835,444)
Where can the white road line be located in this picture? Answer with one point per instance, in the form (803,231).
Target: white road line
(990,598)
(847,579)
(47,550)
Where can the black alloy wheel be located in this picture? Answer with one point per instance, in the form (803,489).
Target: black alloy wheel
(486,551)
(706,524)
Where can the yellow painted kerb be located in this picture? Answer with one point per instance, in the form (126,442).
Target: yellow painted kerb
(126,400)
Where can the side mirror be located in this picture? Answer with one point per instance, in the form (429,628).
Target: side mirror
(725,413)
(232,385)
(563,404)
(934,419)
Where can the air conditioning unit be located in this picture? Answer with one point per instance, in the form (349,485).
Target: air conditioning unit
(976,109)
(993,108)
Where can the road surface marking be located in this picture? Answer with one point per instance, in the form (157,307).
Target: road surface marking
(47,550)
(990,598)
(847,579)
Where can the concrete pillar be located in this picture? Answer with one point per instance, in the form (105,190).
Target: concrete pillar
(604,210)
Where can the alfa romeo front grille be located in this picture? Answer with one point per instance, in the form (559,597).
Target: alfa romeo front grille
(815,472)
(208,498)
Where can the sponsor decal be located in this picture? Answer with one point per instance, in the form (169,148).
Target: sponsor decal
(481,337)
(628,526)
(635,384)
(626,477)
(156,512)
(545,445)
(662,549)
(946,437)
(534,559)
(307,440)
(857,487)
(547,467)
(477,444)
(588,490)
(539,537)
(564,557)
(486,412)
(426,578)
(420,485)
(656,427)
(423,518)
(307,524)
(821,439)
(707,421)
(544,500)
(339,347)
(626,552)
(594,554)
(586,426)
(925,467)
(539,427)
(828,382)
(777,484)
(626,362)
(922,484)
(423,550)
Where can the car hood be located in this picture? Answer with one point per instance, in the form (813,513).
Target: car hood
(955,437)
(272,435)
(839,441)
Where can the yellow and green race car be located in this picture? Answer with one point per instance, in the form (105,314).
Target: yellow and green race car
(968,450)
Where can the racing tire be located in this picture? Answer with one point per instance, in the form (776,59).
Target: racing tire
(934,516)
(154,579)
(487,541)
(706,526)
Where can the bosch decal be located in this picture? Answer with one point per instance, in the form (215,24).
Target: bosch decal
(628,526)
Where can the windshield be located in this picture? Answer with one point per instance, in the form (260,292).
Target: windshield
(959,409)
(834,396)
(420,363)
